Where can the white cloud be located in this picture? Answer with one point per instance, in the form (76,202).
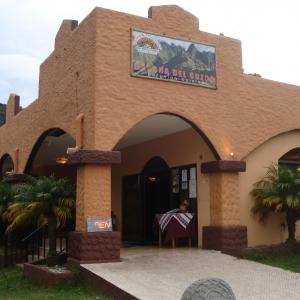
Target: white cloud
(267,29)
(19,74)
(4,85)
(18,66)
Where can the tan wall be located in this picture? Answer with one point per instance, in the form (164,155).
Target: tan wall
(231,116)
(177,149)
(257,160)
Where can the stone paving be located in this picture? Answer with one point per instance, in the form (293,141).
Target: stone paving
(161,274)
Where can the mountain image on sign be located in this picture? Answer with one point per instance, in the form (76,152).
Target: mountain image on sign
(176,60)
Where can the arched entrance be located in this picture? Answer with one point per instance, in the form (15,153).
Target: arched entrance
(6,165)
(49,155)
(291,159)
(161,159)
(147,193)
(156,179)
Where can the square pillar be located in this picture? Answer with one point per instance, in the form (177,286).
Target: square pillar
(225,232)
(93,200)
(224,199)
(93,193)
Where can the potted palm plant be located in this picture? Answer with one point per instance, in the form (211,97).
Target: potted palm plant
(279,191)
(47,200)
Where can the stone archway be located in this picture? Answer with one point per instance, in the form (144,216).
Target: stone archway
(182,146)
(189,124)
(281,148)
(6,165)
(49,155)
(291,159)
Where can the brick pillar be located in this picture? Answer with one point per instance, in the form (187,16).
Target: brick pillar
(93,193)
(93,200)
(225,232)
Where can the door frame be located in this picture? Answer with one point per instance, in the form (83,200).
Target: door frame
(141,194)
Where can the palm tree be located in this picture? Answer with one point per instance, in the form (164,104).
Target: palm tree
(6,197)
(47,200)
(279,191)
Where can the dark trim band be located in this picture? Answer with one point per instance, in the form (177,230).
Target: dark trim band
(94,157)
(223,166)
(17,178)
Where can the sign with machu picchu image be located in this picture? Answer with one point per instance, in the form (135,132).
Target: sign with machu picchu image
(161,57)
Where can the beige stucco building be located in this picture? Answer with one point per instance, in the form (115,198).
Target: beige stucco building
(119,129)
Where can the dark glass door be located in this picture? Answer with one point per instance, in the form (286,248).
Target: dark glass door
(132,210)
(156,199)
(144,196)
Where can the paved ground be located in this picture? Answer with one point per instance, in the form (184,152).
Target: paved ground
(162,274)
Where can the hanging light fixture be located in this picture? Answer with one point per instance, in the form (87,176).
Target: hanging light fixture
(62,160)
(152,178)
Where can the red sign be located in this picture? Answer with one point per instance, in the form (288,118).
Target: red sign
(99,224)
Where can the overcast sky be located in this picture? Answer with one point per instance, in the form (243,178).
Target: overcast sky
(269,31)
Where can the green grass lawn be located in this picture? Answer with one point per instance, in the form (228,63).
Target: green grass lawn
(289,262)
(13,286)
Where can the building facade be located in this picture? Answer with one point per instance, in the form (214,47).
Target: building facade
(122,130)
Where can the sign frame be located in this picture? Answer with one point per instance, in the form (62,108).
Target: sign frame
(93,227)
(166,79)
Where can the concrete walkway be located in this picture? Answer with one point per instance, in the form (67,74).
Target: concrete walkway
(161,274)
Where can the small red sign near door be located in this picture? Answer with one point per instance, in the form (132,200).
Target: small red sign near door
(99,224)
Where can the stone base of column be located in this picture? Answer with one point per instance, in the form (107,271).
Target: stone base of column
(227,239)
(94,247)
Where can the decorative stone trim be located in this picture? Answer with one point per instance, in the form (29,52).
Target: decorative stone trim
(94,247)
(223,166)
(17,178)
(209,288)
(94,157)
(227,239)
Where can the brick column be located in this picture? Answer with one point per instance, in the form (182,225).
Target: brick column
(225,232)
(93,200)
(93,193)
